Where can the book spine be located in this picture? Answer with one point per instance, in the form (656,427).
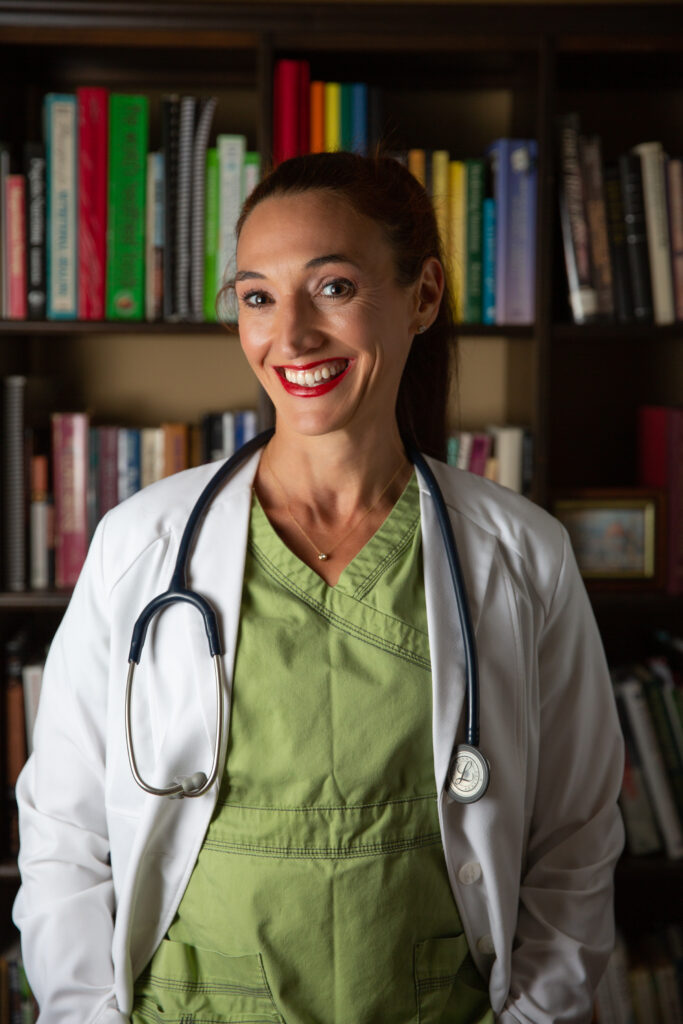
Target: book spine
(41,542)
(70,470)
(4,171)
(583,298)
(642,836)
(231,150)
(151,455)
(417,166)
(170,124)
(359,118)
(304,106)
(508,445)
(14,483)
(252,171)
(107,469)
(32,682)
(520,282)
(590,150)
(286,102)
(198,219)
(657,228)
(15,751)
(93,141)
(62,206)
(630,172)
(128,134)
(317,108)
(176,447)
(455,241)
(15,253)
(188,106)
(499,164)
(211,235)
(674,448)
(345,101)
(154,238)
(128,462)
(616,236)
(474,175)
(333,130)
(488,271)
(675,191)
(34,165)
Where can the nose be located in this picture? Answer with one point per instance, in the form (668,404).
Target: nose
(298,325)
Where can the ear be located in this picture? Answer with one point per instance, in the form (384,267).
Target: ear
(428,294)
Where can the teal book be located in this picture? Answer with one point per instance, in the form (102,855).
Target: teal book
(346,116)
(211,234)
(474,178)
(488,298)
(128,142)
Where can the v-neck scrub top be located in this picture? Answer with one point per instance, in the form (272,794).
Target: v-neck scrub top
(320,895)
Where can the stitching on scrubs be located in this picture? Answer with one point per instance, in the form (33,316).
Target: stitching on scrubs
(206,987)
(325,807)
(341,624)
(324,853)
(389,559)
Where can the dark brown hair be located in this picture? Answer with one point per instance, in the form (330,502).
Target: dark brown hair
(382,189)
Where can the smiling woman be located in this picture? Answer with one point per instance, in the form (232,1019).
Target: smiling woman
(326,877)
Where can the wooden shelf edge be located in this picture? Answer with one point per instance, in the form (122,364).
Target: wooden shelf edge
(35,600)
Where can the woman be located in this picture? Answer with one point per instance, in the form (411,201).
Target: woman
(326,877)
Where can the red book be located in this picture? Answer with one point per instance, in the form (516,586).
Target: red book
(93,134)
(15,250)
(70,477)
(660,465)
(286,107)
(304,107)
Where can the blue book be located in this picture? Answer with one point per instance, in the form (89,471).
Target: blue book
(359,118)
(61,171)
(129,462)
(488,295)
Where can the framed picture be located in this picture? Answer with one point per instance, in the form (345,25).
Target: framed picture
(617,535)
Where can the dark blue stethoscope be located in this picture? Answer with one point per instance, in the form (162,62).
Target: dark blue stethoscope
(468,772)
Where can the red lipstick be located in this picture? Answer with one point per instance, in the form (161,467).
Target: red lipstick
(299,391)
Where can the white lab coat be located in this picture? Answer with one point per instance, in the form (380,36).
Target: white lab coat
(104,866)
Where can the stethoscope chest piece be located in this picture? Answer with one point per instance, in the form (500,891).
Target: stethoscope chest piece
(468,775)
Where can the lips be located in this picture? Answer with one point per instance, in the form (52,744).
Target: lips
(313,390)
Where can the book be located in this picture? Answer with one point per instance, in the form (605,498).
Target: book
(642,834)
(61,136)
(660,465)
(34,168)
(618,252)
(15,246)
(128,140)
(631,177)
(359,118)
(14,482)
(508,443)
(231,150)
(513,167)
(70,474)
(188,105)
(653,691)
(211,235)
(474,177)
(317,117)
(32,682)
(653,165)
(128,462)
(151,455)
(93,141)
(4,171)
(154,238)
(286,109)
(488,261)
(14,721)
(455,242)
(170,124)
(583,299)
(675,194)
(590,152)
(176,447)
(252,171)
(205,115)
(41,526)
(107,479)
(333,127)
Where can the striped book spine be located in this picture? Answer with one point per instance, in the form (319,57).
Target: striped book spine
(61,133)
(231,149)
(184,208)
(198,222)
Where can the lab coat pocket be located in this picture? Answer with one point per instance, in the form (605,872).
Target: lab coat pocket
(183,983)
(448,986)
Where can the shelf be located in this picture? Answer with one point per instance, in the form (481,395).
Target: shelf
(571,333)
(67,327)
(35,600)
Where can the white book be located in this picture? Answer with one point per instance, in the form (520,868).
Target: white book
(154,237)
(508,452)
(631,693)
(61,135)
(228,434)
(151,455)
(32,680)
(653,166)
(464,449)
(231,150)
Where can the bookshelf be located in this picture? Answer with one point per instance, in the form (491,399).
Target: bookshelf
(453,75)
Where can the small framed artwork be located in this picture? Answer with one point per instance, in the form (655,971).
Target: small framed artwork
(617,535)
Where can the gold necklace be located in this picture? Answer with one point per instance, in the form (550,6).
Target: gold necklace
(322,555)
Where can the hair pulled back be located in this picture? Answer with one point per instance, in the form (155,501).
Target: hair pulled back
(382,189)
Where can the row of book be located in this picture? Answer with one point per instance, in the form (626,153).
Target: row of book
(622,229)
(94,225)
(500,453)
(17,1003)
(59,482)
(649,698)
(643,984)
(660,466)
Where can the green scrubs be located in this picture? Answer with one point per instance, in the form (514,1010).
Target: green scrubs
(320,895)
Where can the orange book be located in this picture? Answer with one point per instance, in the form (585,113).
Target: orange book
(176,447)
(317,117)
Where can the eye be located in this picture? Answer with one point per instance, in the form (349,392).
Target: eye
(255,299)
(339,288)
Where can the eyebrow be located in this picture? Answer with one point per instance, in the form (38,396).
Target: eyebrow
(317,261)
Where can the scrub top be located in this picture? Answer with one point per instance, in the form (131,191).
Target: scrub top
(320,895)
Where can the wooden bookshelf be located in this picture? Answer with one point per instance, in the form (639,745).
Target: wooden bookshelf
(454,75)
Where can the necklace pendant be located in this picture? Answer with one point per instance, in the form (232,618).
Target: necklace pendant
(322,556)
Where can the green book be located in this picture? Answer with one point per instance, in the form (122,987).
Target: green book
(211,234)
(474,186)
(346,116)
(128,135)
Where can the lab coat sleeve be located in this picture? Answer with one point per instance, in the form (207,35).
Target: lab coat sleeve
(65,905)
(565,928)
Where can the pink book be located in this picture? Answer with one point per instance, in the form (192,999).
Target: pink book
(93,135)
(70,476)
(15,251)
(479,454)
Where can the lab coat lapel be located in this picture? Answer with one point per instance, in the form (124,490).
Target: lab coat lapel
(445,638)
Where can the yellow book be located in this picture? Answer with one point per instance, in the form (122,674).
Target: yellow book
(440,192)
(417,165)
(332,116)
(457,251)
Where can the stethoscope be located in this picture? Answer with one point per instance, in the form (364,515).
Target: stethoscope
(468,771)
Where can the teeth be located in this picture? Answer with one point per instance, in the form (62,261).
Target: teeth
(309,378)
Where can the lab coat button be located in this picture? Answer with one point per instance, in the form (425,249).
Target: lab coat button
(485,945)
(470,873)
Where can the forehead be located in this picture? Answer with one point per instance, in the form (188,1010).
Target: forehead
(309,224)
